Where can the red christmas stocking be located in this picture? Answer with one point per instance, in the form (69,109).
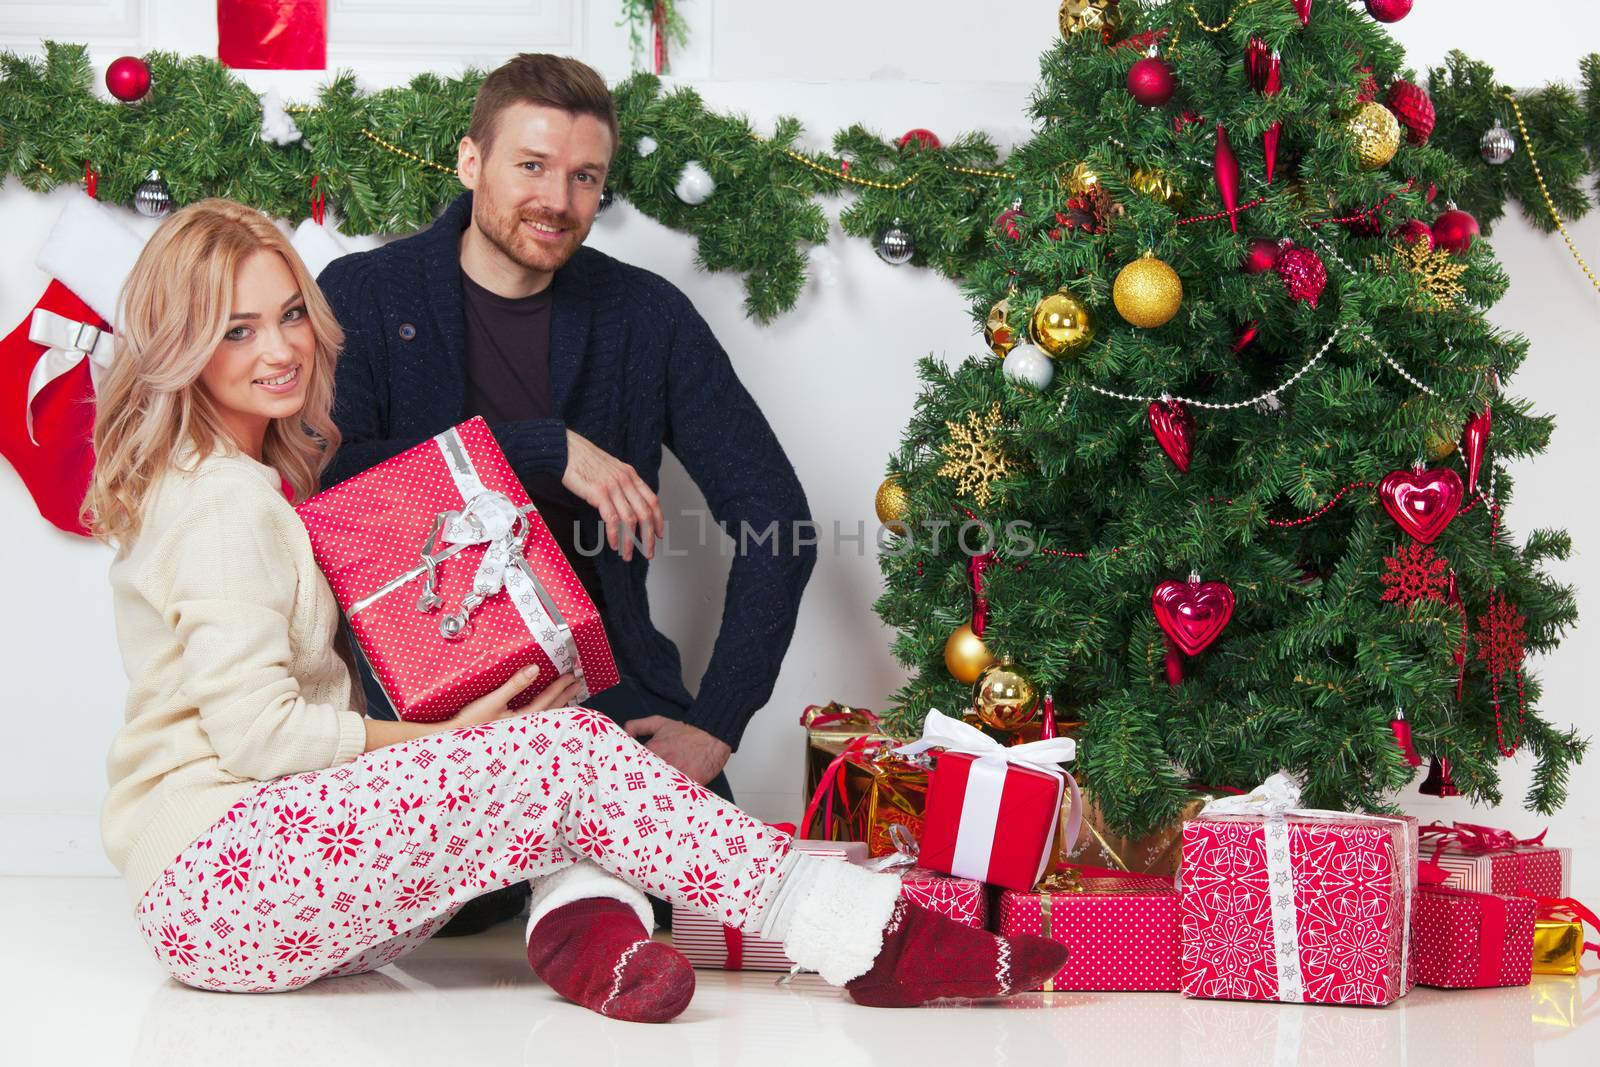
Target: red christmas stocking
(49,362)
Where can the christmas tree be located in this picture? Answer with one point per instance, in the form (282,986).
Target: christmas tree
(1231,485)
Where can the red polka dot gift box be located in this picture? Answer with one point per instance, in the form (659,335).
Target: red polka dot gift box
(1282,903)
(1483,859)
(1121,930)
(1468,940)
(451,580)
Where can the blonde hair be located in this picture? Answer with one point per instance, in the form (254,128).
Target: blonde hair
(172,316)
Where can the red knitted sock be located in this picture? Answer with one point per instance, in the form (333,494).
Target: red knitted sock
(926,956)
(595,952)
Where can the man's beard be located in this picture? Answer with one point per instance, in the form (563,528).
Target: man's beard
(505,231)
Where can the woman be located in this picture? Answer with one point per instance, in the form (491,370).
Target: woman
(271,834)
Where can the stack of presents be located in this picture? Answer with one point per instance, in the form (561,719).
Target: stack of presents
(1247,896)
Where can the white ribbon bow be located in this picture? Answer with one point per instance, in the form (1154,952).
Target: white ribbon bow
(489,518)
(1278,795)
(67,343)
(941,731)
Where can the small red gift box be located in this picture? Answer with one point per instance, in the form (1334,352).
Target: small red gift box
(451,581)
(1121,930)
(992,810)
(1482,859)
(1282,904)
(1468,940)
(961,899)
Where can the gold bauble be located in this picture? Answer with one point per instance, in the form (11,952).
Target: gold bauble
(1061,324)
(997,331)
(1441,443)
(1147,292)
(965,655)
(1081,180)
(892,505)
(1155,184)
(1003,698)
(1377,134)
(1089,16)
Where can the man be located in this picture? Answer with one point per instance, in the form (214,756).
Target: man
(584,367)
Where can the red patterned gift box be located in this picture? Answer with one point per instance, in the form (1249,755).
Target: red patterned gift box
(1468,940)
(450,579)
(992,810)
(1282,904)
(1482,859)
(1121,930)
(961,899)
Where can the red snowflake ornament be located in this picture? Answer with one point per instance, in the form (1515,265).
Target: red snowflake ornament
(1501,647)
(1414,574)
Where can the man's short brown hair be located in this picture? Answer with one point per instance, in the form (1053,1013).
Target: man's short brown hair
(546,80)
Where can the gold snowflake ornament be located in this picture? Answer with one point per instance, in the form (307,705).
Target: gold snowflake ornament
(975,459)
(1437,274)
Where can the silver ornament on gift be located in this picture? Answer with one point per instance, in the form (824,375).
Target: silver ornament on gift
(695,184)
(895,245)
(1497,146)
(152,199)
(1030,366)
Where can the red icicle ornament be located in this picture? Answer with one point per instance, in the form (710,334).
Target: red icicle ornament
(1263,68)
(1303,9)
(1402,737)
(976,566)
(1474,441)
(1227,166)
(1047,724)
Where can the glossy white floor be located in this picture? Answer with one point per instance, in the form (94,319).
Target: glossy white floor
(78,987)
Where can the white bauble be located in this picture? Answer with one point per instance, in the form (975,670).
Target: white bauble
(695,185)
(1027,364)
(646,145)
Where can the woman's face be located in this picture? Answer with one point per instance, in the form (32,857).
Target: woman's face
(258,373)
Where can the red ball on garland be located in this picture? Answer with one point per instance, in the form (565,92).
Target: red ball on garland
(1454,231)
(1262,255)
(1303,273)
(128,78)
(1416,231)
(1413,106)
(926,139)
(1388,10)
(1152,82)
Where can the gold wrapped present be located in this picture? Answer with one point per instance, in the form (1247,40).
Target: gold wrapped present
(1558,936)
(862,791)
(1154,853)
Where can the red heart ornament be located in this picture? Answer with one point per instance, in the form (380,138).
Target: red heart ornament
(1474,440)
(1192,613)
(1170,422)
(1422,501)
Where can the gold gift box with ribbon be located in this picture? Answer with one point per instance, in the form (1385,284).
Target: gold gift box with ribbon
(1156,853)
(856,788)
(1558,944)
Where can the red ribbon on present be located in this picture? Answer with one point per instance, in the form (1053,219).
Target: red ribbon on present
(840,716)
(832,781)
(1470,837)
(734,940)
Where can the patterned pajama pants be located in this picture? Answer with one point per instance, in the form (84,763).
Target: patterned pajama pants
(343,870)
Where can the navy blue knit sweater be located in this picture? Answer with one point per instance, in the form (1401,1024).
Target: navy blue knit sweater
(633,367)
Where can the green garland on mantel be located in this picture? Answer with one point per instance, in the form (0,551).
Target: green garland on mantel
(385,159)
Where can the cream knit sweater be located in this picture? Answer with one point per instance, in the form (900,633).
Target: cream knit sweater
(226,628)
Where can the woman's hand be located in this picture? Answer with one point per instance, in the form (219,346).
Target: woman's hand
(492,708)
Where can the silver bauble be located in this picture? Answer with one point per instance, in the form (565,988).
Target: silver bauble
(1497,146)
(895,246)
(152,198)
(1028,365)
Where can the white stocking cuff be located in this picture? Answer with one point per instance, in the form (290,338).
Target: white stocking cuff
(585,880)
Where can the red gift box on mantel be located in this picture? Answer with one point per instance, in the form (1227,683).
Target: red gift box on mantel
(992,810)
(1482,859)
(450,579)
(1120,929)
(1469,940)
(1281,903)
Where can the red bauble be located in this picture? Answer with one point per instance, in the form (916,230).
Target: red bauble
(1192,613)
(1152,82)
(1388,10)
(925,139)
(1173,427)
(1302,271)
(1474,442)
(128,78)
(1402,738)
(1413,106)
(1417,231)
(1454,231)
(1422,501)
(1262,255)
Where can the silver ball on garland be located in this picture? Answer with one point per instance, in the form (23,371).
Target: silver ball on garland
(1027,365)
(695,184)
(1498,146)
(608,197)
(152,198)
(895,245)
(645,145)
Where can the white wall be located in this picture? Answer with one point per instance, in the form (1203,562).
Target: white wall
(835,376)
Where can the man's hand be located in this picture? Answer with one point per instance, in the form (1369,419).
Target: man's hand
(688,748)
(615,490)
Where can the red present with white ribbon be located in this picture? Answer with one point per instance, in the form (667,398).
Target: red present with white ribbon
(451,581)
(992,810)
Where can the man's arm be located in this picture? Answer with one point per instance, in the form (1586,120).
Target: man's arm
(362,388)
(715,428)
